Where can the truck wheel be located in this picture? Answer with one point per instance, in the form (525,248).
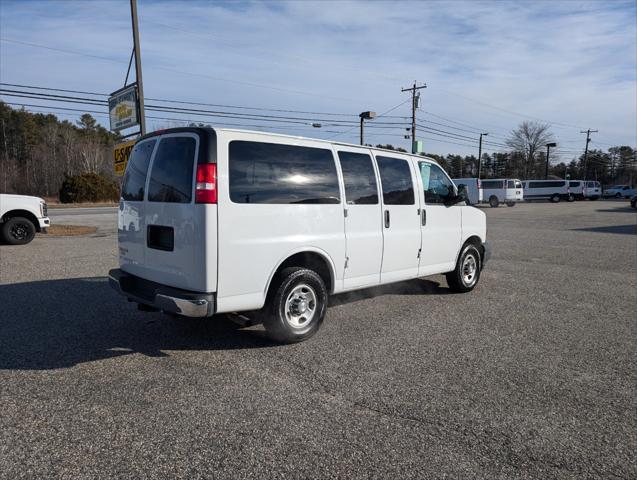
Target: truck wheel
(555,198)
(295,310)
(510,204)
(467,272)
(493,201)
(18,231)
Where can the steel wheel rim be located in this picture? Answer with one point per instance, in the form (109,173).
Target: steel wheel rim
(469,269)
(300,306)
(19,231)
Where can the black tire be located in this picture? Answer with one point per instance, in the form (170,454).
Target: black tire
(457,279)
(594,198)
(633,203)
(570,198)
(618,195)
(18,231)
(493,201)
(510,204)
(300,288)
(555,198)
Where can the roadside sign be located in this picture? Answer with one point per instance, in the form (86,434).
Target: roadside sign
(122,107)
(121,153)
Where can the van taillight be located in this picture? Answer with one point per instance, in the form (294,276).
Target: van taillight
(479,184)
(206,186)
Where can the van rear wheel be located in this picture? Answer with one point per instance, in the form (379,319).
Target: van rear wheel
(296,307)
(493,201)
(510,204)
(555,198)
(467,272)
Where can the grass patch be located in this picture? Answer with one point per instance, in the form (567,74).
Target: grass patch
(70,230)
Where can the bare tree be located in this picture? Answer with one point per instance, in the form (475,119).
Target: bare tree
(528,139)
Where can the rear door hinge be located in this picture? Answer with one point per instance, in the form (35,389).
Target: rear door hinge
(419,250)
(346,261)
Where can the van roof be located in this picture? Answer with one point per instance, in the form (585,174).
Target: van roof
(280,135)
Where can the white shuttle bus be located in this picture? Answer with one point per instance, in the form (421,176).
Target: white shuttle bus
(553,190)
(237,221)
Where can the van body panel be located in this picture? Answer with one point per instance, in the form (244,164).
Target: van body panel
(254,237)
(362,215)
(545,189)
(401,221)
(442,227)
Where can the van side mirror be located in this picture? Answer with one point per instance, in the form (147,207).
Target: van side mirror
(459,197)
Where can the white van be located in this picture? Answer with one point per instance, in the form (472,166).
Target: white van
(235,221)
(553,190)
(502,190)
(592,190)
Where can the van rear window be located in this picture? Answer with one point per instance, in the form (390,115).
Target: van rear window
(136,170)
(282,174)
(171,177)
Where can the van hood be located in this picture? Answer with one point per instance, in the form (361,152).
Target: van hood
(20,197)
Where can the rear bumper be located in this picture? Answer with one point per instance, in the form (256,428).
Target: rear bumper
(162,297)
(487,253)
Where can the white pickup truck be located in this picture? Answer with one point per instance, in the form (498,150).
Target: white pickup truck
(21,217)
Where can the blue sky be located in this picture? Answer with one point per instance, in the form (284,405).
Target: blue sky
(487,65)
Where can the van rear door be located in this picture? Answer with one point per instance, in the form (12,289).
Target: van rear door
(175,243)
(175,236)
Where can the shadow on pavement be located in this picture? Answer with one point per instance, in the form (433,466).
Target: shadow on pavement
(409,287)
(624,209)
(62,323)
(630,229)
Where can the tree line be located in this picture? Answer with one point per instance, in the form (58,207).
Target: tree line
(38,152)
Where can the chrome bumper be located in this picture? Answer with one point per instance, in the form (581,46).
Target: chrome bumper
(162,297)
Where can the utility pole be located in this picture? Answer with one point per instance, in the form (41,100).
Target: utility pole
(138,67)
(480,154)
(588,139)
(548,150)
(414,105)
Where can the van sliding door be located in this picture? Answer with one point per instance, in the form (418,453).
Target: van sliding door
(363,226)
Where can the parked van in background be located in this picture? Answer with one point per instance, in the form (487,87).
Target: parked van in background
(473,189)
(553,190)
(592,190)
(502,190)
(232,221)
(576,188)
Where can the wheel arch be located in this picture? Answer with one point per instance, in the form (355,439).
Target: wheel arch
(311,258)
(477,242)
(22,213)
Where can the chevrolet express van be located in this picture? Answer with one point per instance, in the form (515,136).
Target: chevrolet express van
(235,221)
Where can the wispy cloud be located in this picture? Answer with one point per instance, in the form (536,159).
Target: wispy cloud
(573,63)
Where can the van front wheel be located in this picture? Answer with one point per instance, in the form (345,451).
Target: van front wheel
(467,272)
(296,309)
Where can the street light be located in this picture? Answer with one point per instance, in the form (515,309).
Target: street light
(548,149)
(366,116)
(480,153)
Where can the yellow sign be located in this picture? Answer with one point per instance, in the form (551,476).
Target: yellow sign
(121,153)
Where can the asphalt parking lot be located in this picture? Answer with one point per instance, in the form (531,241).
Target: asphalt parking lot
(532,375)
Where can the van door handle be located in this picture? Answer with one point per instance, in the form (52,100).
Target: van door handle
(423,217)
(386,218)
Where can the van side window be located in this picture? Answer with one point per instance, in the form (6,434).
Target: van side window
(281,174)
(172,174)
(395,176)
(359,178)
(436,184)
(573,184)
(547,184)
(491,184)
(135,178)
